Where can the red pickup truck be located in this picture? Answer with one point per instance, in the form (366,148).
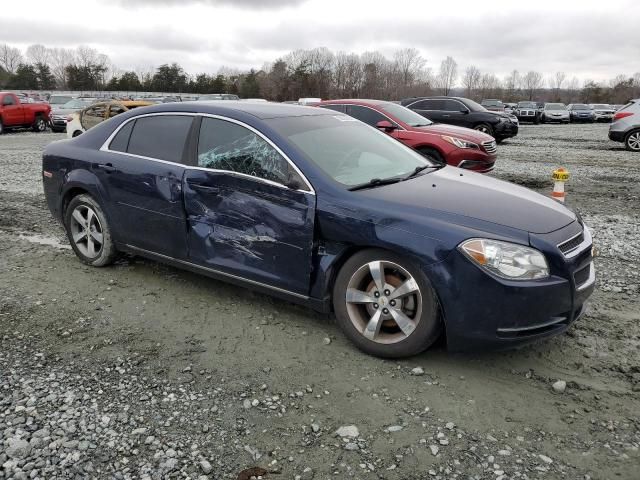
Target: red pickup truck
(14,114)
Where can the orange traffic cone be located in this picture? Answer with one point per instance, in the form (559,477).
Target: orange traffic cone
(560,176)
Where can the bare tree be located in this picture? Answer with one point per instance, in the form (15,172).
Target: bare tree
(10,58)
(471,80)
(38,53)
(60,58)
(532,82)
(408,63)
(448,75)
(489,86)
(556,82)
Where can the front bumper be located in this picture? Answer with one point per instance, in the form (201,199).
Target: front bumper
(482,311)
(604,116)
(506,129)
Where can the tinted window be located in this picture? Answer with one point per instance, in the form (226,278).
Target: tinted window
(337,108)
(366,115)
(225,145)
(453,106)
(121,140)
(428,105)
(161,137)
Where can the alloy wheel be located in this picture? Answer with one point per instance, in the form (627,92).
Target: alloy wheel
(384,302)
(40,125)
(86,231)
(633,142)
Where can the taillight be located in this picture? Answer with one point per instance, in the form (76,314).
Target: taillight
(69,118)
(621,115)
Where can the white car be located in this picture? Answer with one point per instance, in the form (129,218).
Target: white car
(555,112)
(603,112)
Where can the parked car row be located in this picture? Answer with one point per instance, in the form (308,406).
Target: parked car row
(314,206)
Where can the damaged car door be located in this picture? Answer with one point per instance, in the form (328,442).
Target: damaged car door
(249,210)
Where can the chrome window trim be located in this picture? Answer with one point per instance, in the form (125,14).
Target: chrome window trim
(370,108)
(105,148)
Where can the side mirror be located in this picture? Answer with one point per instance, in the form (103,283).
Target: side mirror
(386,125)
(464,110)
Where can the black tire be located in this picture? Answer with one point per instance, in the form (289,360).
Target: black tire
(1,127)
(632,141)
(537,121)
(432,154)
(107,252)
(76,133)
(542,119)
(428,326)
(39,124)
(484,128)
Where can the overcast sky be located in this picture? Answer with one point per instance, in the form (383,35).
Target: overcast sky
(583,38)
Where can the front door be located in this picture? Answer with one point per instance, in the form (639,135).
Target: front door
(241,218)
(12,112)
(142,172)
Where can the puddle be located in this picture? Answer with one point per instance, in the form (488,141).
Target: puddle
(44,240)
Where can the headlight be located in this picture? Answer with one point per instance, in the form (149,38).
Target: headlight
(507,260)
(458,142)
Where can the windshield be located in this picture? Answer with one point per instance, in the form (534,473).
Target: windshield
(77,103)
(580,106)
(474,106)
(602,106)
(59,99)
(554,106)
(349,151)
(405,115)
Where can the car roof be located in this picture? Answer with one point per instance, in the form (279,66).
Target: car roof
(261,110)
(355,101)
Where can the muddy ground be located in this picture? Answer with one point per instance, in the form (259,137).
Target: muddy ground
(144,371)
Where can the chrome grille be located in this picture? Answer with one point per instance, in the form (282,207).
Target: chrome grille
(571,244)
(490,147)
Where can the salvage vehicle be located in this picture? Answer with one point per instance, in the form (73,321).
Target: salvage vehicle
(580,112)
(555,112)
(60,113)
(464,113)
(15,114)
(316,207)
(603,112)
(91,116)
(457,146)
(625,126)
(527,112)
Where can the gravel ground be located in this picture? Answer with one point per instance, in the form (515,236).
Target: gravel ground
(144,371)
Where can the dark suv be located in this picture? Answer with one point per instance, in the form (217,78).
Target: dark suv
(465,113)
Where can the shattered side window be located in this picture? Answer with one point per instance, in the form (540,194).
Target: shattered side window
(224,145)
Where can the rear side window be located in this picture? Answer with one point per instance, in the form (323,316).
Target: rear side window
(162,137)
(428,105)
(121,140)
(366,115)
(8,100)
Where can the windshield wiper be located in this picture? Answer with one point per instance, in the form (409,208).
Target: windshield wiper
(419,169)
(375,182)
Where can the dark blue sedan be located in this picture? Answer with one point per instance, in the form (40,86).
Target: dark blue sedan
(318,208)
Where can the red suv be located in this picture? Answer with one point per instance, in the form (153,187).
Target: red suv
(457,146)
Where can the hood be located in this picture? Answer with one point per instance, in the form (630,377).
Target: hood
(474,196)
(453,131)
(556,111)
(64,111)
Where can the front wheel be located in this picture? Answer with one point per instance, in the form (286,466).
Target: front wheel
(484,128)
(385,305)
(632,141)
(40,124)
(89,232)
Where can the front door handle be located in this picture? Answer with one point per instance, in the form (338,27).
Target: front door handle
(204,188)
(107,167)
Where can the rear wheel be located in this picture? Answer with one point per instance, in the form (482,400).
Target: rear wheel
(484,128)
(40,124)
(385,305)
(1,127)
(89,232)
(632,141)
(76,133)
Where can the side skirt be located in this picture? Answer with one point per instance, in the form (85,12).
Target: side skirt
(320,305)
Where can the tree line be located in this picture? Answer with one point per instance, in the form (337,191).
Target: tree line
(317,72)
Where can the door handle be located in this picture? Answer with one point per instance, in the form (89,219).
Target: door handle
(204,188)
(446,115)
(107,167)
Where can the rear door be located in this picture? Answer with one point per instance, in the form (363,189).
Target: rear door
(142,172)
(455,113)
(241,218)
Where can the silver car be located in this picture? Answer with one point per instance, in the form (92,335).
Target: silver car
(625,126)
(555,112)
(603,112)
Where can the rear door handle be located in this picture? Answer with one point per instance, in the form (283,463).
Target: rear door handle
(204,188)
(107,167)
